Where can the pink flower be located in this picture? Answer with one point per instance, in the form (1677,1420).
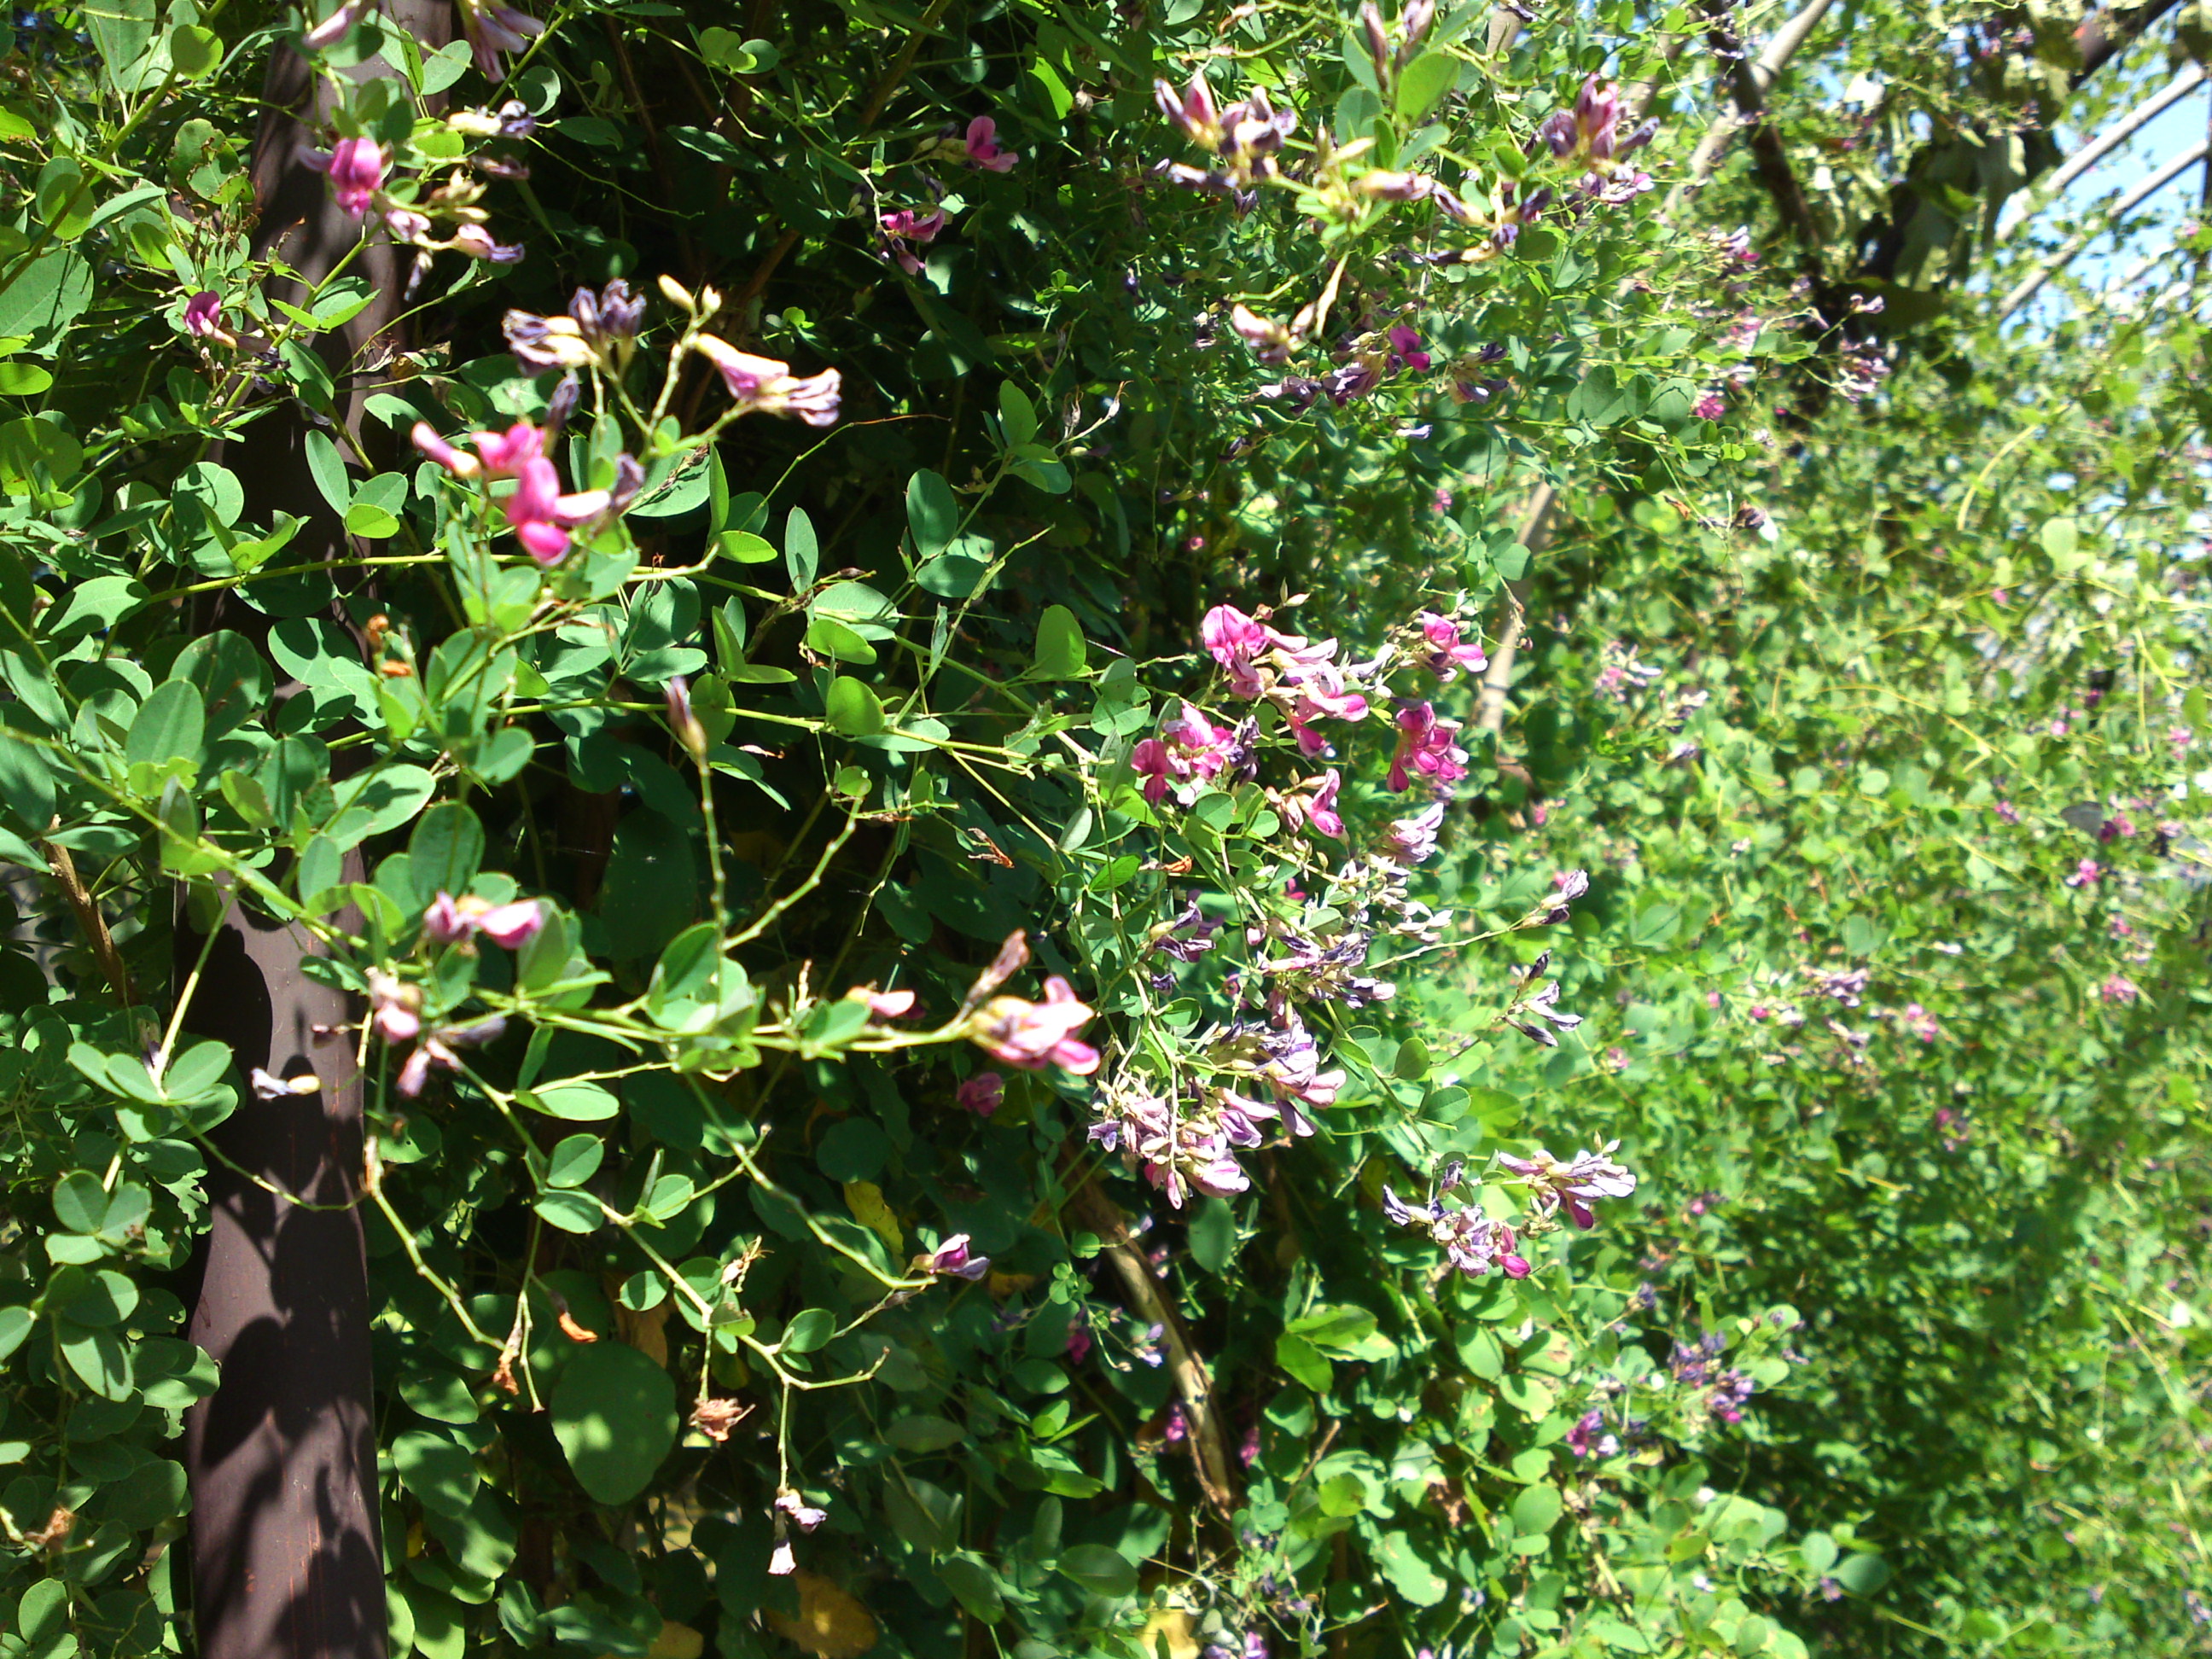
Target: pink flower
(982,1094)
(356,167)
(443,922)
(1080,1344)
(1576,1184)
(983,149)
(1150,759)
(495,29)
(1424,745)
(1711,407)
(1447,655)
(534,511)
(338,25)
(1033,1035)
(2085,873)
(510,925)
(1230,637)
(1313,805)
(203,314)
(803,1514)
(763,386)
(2008,812)
(1411,841)
(907,230)
(2119,988)
(1405,349)
(681,721)
(394,1007)
(1919,1021)
(478,243)
(1189,746)
(505,454)
(883,1005)
(953,1259)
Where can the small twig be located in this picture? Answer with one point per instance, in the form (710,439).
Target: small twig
(1208,1451)
(89,920)
(1535,532)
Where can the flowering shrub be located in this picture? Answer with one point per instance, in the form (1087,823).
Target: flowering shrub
(800,821)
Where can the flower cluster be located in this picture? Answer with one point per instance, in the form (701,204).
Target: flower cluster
(395,1006)
(1473,1242)
(541,516)
(1301,679)
(1590,135)
(1245,138)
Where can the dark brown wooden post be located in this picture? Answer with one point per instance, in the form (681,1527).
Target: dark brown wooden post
(287,1558)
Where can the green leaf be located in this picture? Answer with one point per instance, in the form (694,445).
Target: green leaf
(1100,1569)
(933,514)
(574,1160)
(171,724)
(1863,1574)
(1819,1550)
(1018,417)
(974,1585)
(578,1103)
(1410,1573)
(1535,1510)
(1212,1234)
(572,1212)
(832,638)
(802,554)
(195,51)
(853,710)
(445,851)
(1059,648)
(808,1330)
(20,380)
(1303,1361)
(439,1472)
(370,522)
(613,1414)
(1422,82)
(327,470)
(80,1202)
(16,1322)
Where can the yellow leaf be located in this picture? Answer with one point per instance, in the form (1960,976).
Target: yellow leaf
(831,1624)
(1175,1625)
(866,1200)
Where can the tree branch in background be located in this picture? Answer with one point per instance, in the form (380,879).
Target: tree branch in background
(2018,211)
(89,921)
(2105,35)
(1209,1452)
(2031,285)
(1753,79)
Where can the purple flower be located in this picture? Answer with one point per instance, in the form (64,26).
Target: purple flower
(1033,1035)
(1576,1183)
(982,1094)
(1425,747)
(682,721)
(2119,988)
(907,230)
(1579,1437)
(1447,655)
(953,1260)
(982,147)
(764,386)
(1312,804)
(495,29)
(203,316)
(2086,873)
(1710,407)
(1405,349)
(356,167)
